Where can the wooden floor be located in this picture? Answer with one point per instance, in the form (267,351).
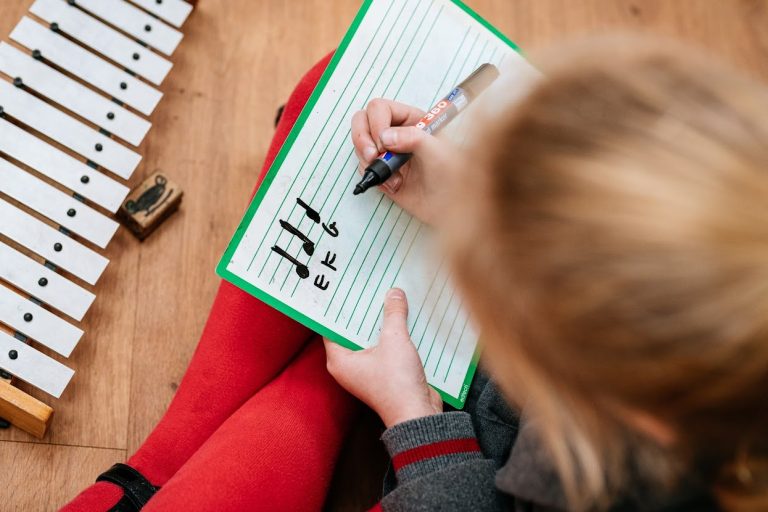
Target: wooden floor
(238,62)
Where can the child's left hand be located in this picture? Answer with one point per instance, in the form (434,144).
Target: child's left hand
(389,377)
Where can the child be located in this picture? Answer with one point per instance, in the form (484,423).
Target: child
(609,237)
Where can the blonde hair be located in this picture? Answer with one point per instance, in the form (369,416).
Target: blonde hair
(613,247)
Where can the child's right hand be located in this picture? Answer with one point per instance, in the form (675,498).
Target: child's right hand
(387,125)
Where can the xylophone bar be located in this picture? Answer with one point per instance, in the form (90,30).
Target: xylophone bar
(56,205)
(32,366)
(43,283)
(38,323)
(67,131)
(174,12)
(90,49)
(78,61)
(135,22)
(72,95)
(60,167)
(51,244)
(105,40)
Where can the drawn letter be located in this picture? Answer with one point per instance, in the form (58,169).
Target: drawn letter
(301,269)
(331,229)
(329,259)
(309,245)
(312,214)
(321,283)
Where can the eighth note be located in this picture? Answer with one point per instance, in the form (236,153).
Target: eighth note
(309,245)
(311,213)
(301,269)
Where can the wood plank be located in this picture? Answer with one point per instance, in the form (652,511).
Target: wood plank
(43,477)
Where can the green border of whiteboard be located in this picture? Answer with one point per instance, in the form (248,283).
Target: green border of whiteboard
(221,268)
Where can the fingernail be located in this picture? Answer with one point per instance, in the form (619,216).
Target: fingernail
(370,153)
(395,182)
(389,137)
(396,294)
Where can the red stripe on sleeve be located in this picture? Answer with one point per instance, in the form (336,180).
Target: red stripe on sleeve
(376,508)
(429,451)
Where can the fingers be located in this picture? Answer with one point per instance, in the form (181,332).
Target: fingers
(395,316)
(405,139)
(393,184)
(383,113)
(365,147)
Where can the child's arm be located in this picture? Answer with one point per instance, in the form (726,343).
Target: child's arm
(439,466)
(436,456)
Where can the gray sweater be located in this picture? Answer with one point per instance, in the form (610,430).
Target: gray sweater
(484,459)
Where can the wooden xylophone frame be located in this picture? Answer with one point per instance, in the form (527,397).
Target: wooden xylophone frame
(117,48)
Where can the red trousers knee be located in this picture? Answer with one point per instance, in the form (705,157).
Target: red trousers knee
(229,385)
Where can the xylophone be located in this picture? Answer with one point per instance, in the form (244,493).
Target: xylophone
(77,84)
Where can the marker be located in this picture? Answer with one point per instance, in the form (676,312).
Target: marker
(387,163)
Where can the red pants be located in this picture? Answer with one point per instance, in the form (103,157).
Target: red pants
(257,422)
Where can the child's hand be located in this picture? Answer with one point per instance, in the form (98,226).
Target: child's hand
(387,125)
(389,377)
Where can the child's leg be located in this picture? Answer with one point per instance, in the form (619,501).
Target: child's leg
(276,452)
(244,344)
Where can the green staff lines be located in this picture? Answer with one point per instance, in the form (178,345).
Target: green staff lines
(322,129)
(325,150)
(440,88)
(397,274)
(448,337)
(456,348)
(343,143)
(234,270)
(344,274)
(440,325)
(353,174)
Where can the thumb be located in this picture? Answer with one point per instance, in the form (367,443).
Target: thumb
(395,315)
(404,139)
(337,357)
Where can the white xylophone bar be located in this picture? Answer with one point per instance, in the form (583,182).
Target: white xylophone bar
(33,367)
(85,65)
(61,167)
(38,323)
(105,40)
(56,205)
(43,283)
(135,22)
(51,244)
(174,12)
(66,130)
(73,96)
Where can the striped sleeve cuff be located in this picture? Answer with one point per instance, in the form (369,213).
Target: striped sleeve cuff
(425,445)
